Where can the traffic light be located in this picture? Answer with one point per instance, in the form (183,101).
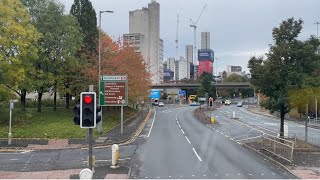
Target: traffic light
(98,113)
(88,110)
(76,111)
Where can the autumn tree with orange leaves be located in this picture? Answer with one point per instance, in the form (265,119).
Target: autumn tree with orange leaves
(118,60)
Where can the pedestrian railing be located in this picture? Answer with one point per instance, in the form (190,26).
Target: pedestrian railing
(302,140)
(280,147)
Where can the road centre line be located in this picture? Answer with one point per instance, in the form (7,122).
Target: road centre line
(179,126)
(188,139)
(195,152)
(154,117)
(182,131)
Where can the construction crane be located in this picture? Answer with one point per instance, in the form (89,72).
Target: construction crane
(194,26)
(177,37)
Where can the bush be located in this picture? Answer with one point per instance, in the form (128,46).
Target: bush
(45,103)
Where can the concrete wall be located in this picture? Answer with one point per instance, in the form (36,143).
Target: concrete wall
(205,40)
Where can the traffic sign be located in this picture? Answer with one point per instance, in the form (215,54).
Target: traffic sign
(182,93)
(202,99)
(113,90)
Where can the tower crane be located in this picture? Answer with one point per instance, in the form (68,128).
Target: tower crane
(193,24)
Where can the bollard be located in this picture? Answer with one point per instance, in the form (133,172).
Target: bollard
(86,174)
(212,118)
(115,156)
(286,131)
(233,115)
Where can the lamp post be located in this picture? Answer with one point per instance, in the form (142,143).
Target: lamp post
(100,12)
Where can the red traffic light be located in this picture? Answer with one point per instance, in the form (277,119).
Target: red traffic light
(87,99)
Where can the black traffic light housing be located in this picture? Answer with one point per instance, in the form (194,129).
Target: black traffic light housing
(88,110)
(98,116)
(76,111)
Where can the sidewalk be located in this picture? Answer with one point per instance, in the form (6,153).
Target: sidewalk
(104,172)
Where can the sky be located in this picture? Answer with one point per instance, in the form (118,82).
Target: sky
(239,29)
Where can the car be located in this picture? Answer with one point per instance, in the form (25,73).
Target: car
(193,104)
(161,104)
(227,102)
(240,104)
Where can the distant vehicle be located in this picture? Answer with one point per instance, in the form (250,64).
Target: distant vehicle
(227,102)
(192,99)
(155,102)
(240,104)
(161,104)
(193,104)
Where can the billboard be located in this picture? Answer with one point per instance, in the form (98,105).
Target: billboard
(155,94)
(204,66)
(205,55)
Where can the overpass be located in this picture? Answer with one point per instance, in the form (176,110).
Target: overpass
(224,85)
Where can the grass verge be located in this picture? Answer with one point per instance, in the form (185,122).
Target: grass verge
(57,124)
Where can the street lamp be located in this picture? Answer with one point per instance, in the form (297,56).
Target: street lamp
(100,12)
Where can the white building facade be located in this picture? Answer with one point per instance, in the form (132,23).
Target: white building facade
(205,40)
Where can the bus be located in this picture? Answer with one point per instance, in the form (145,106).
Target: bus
(192,99)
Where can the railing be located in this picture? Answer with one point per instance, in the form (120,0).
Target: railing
(311,141)
(280,147)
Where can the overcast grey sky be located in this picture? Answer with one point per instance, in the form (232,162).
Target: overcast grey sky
(238,27)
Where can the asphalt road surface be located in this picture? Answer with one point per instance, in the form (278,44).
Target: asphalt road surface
(176,145)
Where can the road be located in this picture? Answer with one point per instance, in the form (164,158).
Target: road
(264,124)
(176,145)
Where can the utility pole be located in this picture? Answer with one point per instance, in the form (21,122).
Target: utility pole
(315,97)
(100,12)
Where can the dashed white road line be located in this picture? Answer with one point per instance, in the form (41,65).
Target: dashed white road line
(179,126)
(188,139)
(154,117)
(182,131)
(195,152)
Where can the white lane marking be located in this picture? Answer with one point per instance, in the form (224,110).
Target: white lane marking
(154,117)
(250,174)
(262,174)
(187,139)
(248,138)
(169,176)
(182,131)
(239,143)
(239,174)
(273,174)
(227,174)
(204,175)
(218,131)
(177,122)
(192,175)
(221,133)
(146,177)
(226,136)
(179,126)
(14,159)
(195,152)
(231,139)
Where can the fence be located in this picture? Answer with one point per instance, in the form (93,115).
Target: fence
(280,147)
(302,141)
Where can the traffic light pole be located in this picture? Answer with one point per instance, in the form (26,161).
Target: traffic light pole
(90,148)
(90,137)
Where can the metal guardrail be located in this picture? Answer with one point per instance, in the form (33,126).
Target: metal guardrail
(280,147)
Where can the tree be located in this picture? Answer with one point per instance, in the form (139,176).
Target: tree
(18,46)
(290,64)
(206,88)
(234,78)
(83,11)
(121,60)
(62,39)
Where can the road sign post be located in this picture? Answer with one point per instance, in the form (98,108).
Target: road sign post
(10,121)
(114,92)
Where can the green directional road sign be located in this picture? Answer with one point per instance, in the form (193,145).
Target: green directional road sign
(113,90)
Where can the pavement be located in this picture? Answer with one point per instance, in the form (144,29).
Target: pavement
(60,159)
(176,145)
